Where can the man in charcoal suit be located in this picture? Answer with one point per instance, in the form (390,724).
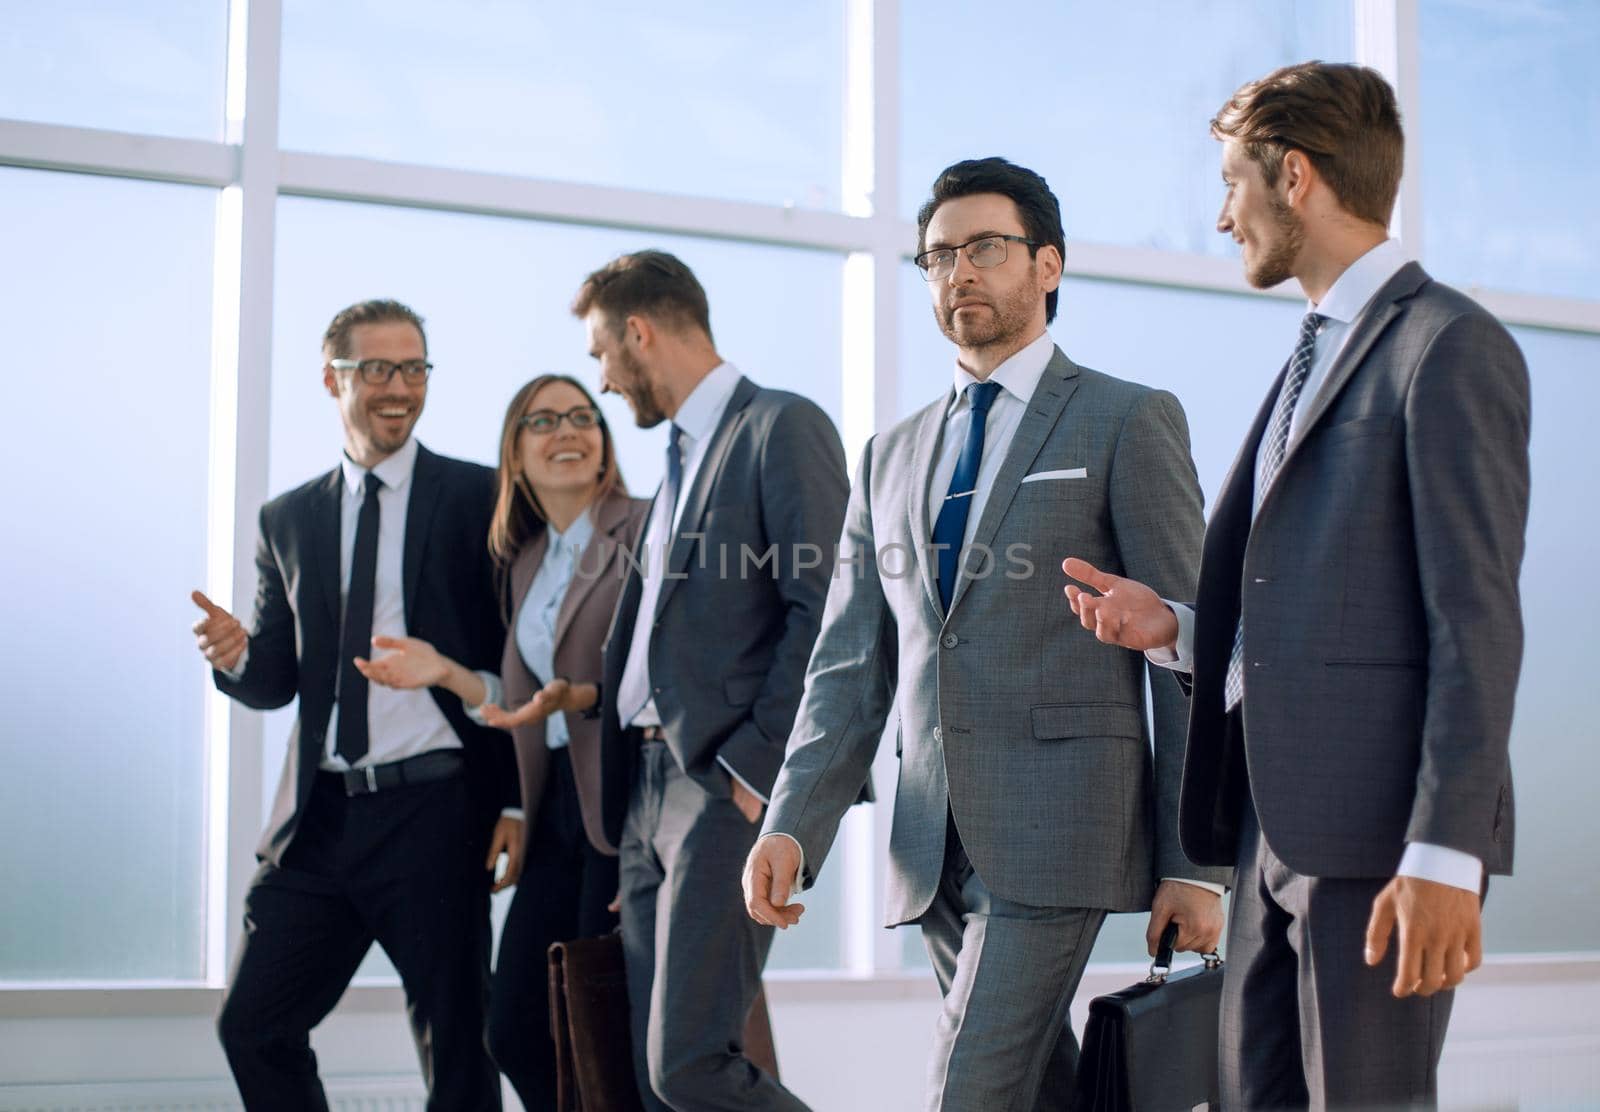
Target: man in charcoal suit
(1356,635)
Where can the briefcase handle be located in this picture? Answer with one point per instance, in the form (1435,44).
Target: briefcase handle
(1163,963)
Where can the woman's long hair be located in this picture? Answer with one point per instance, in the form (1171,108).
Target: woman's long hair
(518,517)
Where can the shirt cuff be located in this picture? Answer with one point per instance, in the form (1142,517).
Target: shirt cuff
(1442,865)
(1214,889)
(800,873)
(746,783)
(513,813)
(1183,659)
(238,669)
(492,693)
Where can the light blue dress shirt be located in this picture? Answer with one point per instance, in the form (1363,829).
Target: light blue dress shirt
(536,620)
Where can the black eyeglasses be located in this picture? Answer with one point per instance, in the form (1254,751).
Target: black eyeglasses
(377,372)
(985,251)
(543,422)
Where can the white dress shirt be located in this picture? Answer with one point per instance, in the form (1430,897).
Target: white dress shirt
(1018,377)
(541,608)
(697,418)
(1341,305)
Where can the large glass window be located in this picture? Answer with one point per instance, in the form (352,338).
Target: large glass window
(1510,157)
(1110,103)
(725,99)
(104,436)
(156,68)
(1553,899)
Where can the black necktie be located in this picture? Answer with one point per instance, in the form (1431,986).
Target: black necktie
(356,639)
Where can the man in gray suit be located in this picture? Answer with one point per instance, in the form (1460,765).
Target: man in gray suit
(1028,804)
(1357,632)
(703,670)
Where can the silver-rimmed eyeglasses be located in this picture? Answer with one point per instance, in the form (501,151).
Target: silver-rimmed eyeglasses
(983,252)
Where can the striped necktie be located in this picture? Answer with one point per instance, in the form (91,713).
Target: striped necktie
(1269,458)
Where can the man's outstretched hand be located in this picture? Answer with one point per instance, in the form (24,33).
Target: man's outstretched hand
(1124,612)
(219,636)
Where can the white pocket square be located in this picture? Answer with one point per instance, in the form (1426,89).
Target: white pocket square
(1068,473)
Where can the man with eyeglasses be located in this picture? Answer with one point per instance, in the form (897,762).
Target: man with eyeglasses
(1029,805)
(394,806)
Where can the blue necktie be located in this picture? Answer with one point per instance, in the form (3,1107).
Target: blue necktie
(950,529)
(1269,457)
(669,492)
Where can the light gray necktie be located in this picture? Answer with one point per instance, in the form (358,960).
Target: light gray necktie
(1269,458)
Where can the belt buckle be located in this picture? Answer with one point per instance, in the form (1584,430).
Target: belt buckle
(372,779)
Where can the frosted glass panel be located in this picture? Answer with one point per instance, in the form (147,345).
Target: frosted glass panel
(717,98)
(1553,900)
(1109,102)
(1510,162)
(495,296)
(149,67)
(107,294)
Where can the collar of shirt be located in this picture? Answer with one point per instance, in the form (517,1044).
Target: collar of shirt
(702,409)
(395,470)
(1360,282)
(576,536)
(1018,376)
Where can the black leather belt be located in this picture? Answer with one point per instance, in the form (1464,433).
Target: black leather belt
(652,733)
(436,764)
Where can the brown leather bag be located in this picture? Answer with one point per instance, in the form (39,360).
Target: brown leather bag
(589,1022)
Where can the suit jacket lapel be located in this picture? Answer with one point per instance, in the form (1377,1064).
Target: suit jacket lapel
(419,516)
(593,560)
(925,446)
(1056,385)
(694,509)
(324,537)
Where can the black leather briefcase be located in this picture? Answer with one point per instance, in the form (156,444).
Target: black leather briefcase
(1153,1046)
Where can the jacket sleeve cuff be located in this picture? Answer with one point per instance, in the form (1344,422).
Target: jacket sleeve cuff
(747,785)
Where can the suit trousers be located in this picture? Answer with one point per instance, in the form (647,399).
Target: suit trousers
(693,955)
(1305,1022)
(393,867)
(565,886)
(1008,973)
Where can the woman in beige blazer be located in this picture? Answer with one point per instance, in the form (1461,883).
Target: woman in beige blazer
(561,523)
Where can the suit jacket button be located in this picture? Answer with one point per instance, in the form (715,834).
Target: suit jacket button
(937,735)
(949,640)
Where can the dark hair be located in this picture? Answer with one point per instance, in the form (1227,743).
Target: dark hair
(1038,207)
(336,340)
(517,515)
(648,283)
(1342,117)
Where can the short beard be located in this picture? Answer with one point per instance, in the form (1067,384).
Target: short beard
(639,392)
(1276,265)
(1009,320)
